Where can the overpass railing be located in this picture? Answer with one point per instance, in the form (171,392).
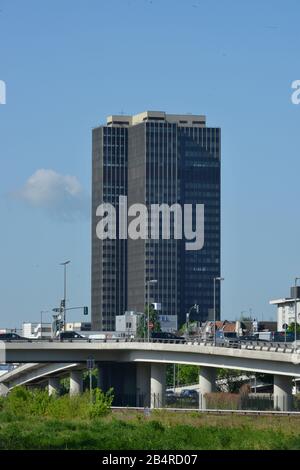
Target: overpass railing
(249,345)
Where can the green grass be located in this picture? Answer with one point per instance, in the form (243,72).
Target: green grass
(32,420)
(136,432)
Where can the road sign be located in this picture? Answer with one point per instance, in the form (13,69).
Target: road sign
(156,306)
(90,363)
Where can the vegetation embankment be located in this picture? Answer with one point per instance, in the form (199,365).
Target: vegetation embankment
(32,420)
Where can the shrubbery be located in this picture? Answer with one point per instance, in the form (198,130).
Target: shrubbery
(101,403)
(22,402)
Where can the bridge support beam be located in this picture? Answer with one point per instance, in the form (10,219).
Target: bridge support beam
(282,392)
(142,384)
(158,385)
(76,384)
(207,384)
(53,386)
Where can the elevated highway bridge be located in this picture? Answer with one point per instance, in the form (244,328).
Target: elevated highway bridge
(134,367)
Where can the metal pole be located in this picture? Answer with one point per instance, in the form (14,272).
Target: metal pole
(216,279)
(91,386)
(65,291)
(65,295)
(295,333)
(42,313)
(174,377)
(214,311)
(151,281)
(148,312)
(65,282)
(284,333)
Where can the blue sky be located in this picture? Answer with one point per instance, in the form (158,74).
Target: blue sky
(67,64)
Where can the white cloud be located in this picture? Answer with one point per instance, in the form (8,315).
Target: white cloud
(59,195)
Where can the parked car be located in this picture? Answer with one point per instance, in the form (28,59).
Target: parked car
(11,337)
(191,394)
(249,338)
(288,337)
(70,335)
(227,341)
(170,397)
(162,335)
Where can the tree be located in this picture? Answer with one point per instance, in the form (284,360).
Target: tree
(245,318)
(184,375)
(232,380)
(142,329)
(188,375)
(188,328)
(291,328)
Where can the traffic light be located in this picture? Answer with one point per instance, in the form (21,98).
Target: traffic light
(63,303)
(85,310)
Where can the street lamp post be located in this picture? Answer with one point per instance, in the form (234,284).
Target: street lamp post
(91,365)
(284,333)
(151,281)
(42,312)
(64,264)
(295,294)
(215,279)
(187,318)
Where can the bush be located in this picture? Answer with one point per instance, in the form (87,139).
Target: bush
(22,402)
(67,407)
(2,401)
(101,403)
(296,402)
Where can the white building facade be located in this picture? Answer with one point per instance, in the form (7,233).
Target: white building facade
(286,312)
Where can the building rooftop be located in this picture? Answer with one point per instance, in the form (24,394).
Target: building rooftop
(282,301)
(184,120)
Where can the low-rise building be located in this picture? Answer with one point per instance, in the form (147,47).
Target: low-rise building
(36,330)
(286,309)
(127,324)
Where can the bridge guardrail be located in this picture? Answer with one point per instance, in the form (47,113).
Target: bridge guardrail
(249,345)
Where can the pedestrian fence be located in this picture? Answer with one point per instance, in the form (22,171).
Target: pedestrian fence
(211,401)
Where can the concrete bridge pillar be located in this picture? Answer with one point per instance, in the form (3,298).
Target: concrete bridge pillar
(207,384)
(158,385)
(53,385)
(76,383)
(3,390)
(142,384)
(282,393)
